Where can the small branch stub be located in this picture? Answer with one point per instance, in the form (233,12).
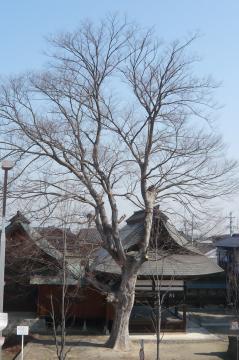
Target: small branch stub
(111,298)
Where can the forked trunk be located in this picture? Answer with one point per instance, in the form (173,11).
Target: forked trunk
(119,336)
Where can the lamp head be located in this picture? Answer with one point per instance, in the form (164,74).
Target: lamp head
(7,165)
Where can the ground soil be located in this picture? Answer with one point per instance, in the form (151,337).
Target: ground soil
(12,346)
(88,348)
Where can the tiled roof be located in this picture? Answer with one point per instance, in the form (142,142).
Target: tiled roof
(55,236)
(89,236)
(138,216)
(189,261)
(229,241)
(74,242)
(170,266)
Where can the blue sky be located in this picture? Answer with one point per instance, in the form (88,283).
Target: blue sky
(25,23)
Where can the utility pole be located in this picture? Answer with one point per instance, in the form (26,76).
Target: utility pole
(192,229)
(230,217)
(185,227)
(6,166)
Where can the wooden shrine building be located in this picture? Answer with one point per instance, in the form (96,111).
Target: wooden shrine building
(34,272)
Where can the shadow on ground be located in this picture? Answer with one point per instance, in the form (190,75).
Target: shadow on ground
(220,355)
(70,343)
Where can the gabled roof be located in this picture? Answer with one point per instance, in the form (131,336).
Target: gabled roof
(187,261)
(19,217)
(47,243)
(89,236)
(184,263)
(178,238)
(138,216)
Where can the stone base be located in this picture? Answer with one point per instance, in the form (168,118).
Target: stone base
(2,339)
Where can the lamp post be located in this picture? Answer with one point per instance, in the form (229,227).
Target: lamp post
(6,166)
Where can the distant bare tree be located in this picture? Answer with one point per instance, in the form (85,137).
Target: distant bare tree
(60,342)
(60,339)
(160,249)
(115,115)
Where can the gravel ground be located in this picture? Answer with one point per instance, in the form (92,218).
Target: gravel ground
(87,348)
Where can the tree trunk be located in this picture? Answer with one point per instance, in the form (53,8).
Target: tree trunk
(158,326)
(119,336)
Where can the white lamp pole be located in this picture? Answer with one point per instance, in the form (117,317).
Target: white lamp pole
(6,166)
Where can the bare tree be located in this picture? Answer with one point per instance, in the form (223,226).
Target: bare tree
(116,115)
(160,296)
(60,340)
(157,315)
(60,343)
(60,315)
(50,253)
(161,247)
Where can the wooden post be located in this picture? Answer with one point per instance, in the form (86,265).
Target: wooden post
(141,351)
(38,301)
(184,307)
(22,347)
(184,317)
